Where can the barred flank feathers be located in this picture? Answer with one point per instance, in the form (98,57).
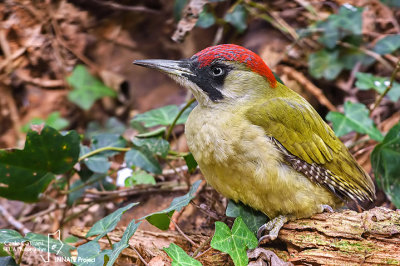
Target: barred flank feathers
(323,177)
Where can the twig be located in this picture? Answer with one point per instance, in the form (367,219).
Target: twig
(11,220)
(377,56)
(201,254)
(21,253)
(83,157)
(126,8)
(183,234)
(140,257)
(109,241)
(187,105)
(74,215)
(38,214)
(379,99)
(202,245)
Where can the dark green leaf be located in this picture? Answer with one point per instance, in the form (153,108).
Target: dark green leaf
(252,218)
(355,118)
(349,57)
(178,7)
(179,256)
(7,261)
(161,116)
(73,196)
(205,20)
(71,239)
(54,120)
(388,44)
(143,158)
(11,236)
(112,126)
(108,140)
(49,244)
(86,88)
(160,218)
(366,81)
(3,253)
(89,254)
(24,174)
(140,177)
(158,146)
(385,160)
(393,3)
(190,162)
(235,242)
(325,64)
(347,22)
(124,243)
(108,223)
(237,18)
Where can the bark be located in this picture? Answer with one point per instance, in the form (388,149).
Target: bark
(341,238)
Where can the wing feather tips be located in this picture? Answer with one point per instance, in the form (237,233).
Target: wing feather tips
(359,189)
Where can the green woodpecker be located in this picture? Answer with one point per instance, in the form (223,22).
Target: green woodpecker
(258,142)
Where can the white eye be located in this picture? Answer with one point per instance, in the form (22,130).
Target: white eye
(217,71)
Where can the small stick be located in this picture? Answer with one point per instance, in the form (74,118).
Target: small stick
(11,220)
(183,234)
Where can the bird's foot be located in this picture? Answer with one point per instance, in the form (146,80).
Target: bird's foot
(273,227)
(326,208)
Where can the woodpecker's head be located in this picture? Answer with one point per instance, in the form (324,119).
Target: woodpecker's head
(219,75)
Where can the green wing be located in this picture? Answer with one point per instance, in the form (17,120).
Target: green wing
(295,124)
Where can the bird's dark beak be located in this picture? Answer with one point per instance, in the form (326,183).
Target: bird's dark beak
(179,68)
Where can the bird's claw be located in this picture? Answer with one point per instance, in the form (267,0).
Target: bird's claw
(273,227)
(327,208)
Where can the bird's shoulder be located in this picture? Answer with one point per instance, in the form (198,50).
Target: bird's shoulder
(297,126)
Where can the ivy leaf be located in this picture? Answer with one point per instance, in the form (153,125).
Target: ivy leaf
(8,236)
(138,178)
(108,140)
(161,116)
(347,22)
(252,218)
(123,243)
(143,158)
(237,18)
(112,126)
(179,256)
(49,244)
(366,81)
(96,163)
(108,223)
(73,196)
(7,261)
(190,162)
(86,88)
(158,146)
(235,242)
(89,254)
(355,118)
(385,160)
(392,3)
(54,120)
(161,219)
(388,44)
(325,64)
(206,19)
(24,174)
(40,242)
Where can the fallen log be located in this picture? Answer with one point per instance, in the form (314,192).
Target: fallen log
(340,238)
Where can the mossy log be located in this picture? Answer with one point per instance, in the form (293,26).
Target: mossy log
(340,238)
